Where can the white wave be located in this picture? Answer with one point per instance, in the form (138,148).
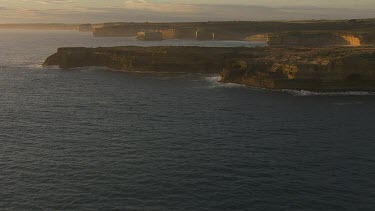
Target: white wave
(214,82)
(310,93)
(38,65)
(213,79)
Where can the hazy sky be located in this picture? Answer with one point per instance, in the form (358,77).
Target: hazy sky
(81,11)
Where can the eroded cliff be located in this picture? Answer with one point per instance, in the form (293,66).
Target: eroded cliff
(318,69)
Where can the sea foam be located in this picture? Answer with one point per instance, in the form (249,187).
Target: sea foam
(311,93)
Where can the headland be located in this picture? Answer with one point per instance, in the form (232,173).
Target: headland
(299,68)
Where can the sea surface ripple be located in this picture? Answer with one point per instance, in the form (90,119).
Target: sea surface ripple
(92,139)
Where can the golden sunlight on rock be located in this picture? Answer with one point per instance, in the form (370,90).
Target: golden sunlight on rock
(352,40)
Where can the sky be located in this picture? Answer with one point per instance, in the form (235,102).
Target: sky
(97,11)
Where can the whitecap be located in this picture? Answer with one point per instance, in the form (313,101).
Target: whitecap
(311,93)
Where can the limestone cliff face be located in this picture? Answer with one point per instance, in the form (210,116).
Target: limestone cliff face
(352,40)
(168,33)
(317,69)
(336,69)
(320,39)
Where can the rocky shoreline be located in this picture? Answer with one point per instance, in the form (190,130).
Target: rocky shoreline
(297,68)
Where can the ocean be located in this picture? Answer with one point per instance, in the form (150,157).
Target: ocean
(94,139)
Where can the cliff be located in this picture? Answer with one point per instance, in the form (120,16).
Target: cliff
(315,69)
(233,30)
(157,59)
(308,38)
(353,40)
(318,69)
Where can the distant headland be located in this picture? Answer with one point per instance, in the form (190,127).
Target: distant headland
(354,32)
(273,32)
(41,26)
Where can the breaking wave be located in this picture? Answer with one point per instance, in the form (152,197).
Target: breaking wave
(215,82)
(310,93)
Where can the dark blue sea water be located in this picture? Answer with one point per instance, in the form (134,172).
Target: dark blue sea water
(92,139)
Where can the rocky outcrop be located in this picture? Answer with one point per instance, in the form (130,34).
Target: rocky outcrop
(352,40)
(317,69)
(327,69)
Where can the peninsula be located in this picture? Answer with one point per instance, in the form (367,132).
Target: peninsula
(299,68)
